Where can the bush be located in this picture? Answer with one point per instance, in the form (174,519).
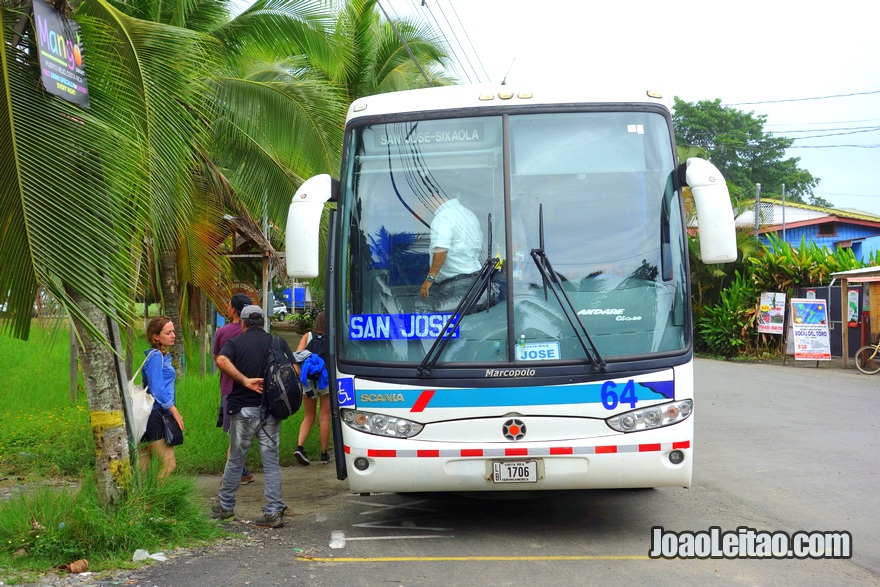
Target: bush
(304,320)
(51,526)
(728,326)
(725,326)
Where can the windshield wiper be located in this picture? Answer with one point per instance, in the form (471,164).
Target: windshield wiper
(481,283)
(551,278)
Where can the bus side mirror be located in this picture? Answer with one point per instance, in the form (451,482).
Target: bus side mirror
(714,211)
(303,226)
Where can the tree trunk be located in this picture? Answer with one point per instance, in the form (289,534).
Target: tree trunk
(171,299)
(99,365)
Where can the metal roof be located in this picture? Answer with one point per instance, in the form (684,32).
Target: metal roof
(863,275)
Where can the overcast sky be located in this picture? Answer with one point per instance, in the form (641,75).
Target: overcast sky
(750,54)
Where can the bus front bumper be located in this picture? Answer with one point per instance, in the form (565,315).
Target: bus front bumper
(534,467)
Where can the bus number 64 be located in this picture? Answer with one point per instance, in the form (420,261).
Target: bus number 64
(610,397)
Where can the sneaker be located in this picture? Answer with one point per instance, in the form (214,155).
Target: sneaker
(245,479)
(325,458)
(300,456)
(218,513)
(269,521)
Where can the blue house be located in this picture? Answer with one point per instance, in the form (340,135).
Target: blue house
(831,228)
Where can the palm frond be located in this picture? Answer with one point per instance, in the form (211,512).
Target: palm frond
(274,133)
(61,220)
(158,87)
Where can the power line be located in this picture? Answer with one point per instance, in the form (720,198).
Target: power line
(455,36)
(405,45)
(458,63)
(823,122)
(455,61)
(739,146)
(835,134)
(466,36)
(852,128)
(451,48)
(829,194)
(806,99)
(415,14)
(834,146)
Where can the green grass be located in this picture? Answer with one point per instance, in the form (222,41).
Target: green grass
(46,436)
(50,526)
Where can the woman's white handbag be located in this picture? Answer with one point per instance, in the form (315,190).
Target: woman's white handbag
(141,404)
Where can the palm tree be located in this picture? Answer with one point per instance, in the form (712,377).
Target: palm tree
(377,61)
(183,125)
(80,187)
(369,58)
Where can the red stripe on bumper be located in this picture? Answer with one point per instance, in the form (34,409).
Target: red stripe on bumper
(522,452)
(381,453)
(561,450)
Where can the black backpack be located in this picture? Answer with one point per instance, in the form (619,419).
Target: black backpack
(318,346)
(282,394)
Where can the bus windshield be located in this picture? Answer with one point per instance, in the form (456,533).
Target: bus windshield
(425,203)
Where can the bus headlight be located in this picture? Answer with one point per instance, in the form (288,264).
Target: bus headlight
(380,424)
(652,417)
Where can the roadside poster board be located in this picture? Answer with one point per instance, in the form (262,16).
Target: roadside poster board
(809,320)
(771,313)
(61,57)
(852,307)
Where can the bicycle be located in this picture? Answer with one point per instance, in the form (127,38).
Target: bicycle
(868,358)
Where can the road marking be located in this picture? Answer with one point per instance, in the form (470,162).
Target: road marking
(406,559)
(400,524)
(338,538)
(392,506)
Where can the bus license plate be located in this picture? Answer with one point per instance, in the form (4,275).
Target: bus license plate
(515,471)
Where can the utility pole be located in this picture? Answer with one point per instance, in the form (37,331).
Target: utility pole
(783,212)
(757,208)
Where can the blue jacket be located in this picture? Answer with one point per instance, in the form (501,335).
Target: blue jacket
(313,369)
(159,375)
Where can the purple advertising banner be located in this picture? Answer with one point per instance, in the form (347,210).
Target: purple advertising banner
(61,59)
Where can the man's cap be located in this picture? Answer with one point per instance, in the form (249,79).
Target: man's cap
(252,310)
(239,301)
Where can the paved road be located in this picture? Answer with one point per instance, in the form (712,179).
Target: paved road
(778,448)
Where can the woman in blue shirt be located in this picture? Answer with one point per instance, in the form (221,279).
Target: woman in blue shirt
(159,375)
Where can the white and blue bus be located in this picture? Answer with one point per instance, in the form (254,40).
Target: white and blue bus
(561,357)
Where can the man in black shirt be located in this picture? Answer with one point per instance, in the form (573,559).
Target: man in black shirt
(244,359)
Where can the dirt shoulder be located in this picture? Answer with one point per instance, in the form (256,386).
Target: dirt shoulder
(304,490)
